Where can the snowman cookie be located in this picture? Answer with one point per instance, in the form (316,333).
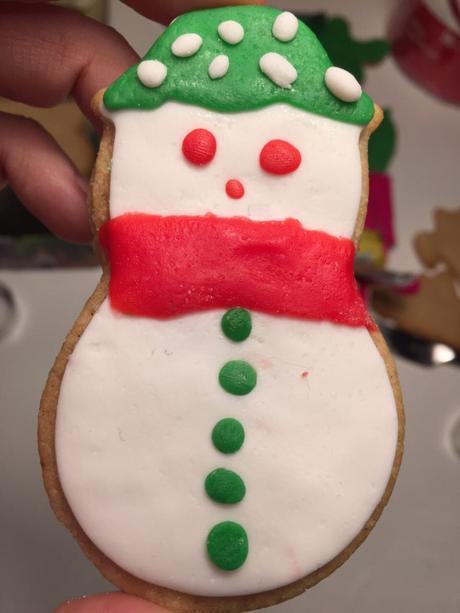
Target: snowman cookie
(223,425)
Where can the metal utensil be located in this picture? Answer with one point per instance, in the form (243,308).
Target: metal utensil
(417,349)
(7,311)
(401,282)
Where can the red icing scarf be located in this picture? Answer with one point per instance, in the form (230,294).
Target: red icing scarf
(168,266)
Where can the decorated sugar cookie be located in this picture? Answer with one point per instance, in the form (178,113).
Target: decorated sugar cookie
(223,425)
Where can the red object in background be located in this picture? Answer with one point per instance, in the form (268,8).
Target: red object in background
(380,208)
(426,44)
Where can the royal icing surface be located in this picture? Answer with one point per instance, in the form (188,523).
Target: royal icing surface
(234,189)
(246,87)
(218,68)
(199,147)
(186,45)
(169,266)
(285,27)
(278,157)
(152,73)
(228,435)
(151,175)
(342,84)
(139,401)
(231,32)
(211,437)
(278,69)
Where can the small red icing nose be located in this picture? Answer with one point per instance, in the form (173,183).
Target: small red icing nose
(234,189)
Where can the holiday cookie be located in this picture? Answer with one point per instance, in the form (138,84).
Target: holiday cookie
(441,246)
(223,425)
(433,313)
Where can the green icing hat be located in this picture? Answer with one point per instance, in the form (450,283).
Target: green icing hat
(240,82)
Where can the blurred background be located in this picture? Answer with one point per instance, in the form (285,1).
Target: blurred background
(407,55)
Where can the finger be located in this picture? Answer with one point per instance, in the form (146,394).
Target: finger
(48,53)
(110,603)
(165,11)
(43,177)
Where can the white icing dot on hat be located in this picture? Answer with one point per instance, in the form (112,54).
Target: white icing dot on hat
(231,32)
(278,69)
(186,45)
(151,73)
(218,67)
(285,27)
(342,84)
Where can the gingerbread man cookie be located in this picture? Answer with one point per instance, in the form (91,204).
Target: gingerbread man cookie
(433,313)
(441,246)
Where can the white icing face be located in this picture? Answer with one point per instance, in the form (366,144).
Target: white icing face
(150,173)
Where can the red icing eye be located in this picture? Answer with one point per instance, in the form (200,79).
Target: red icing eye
(199,146)
(279,157)
(234,189)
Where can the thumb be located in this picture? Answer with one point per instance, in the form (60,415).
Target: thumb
(164,11)
(109,603)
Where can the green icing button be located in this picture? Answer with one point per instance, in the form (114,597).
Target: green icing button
(227,545)
(237,377)
(225,486)
(228,435)
(236,324)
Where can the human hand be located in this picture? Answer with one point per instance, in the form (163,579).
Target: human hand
(48,54)
(109,603)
